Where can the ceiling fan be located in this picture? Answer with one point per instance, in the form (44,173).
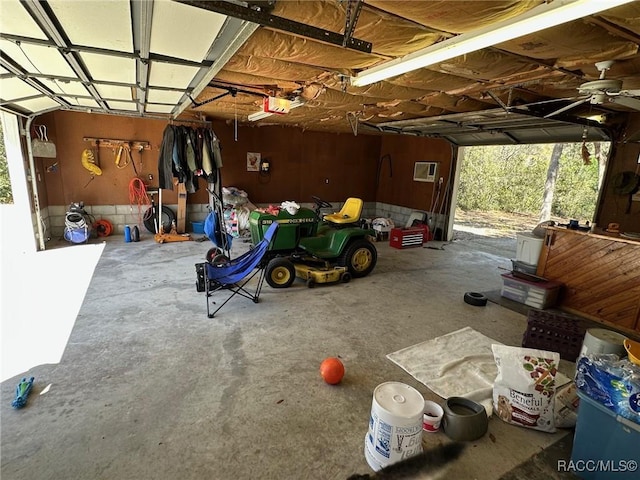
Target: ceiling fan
(602,91)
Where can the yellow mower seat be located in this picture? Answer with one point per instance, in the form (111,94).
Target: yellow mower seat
(349,213)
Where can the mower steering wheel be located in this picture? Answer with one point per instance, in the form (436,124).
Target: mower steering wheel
(321,203)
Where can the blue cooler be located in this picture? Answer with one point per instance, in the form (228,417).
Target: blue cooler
(197,227)
(604,444)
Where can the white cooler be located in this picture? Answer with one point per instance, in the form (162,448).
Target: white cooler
(528,248)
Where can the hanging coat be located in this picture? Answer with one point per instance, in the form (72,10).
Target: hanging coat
(208,162)
(217,151)
(197,145)
(165,159)
(187,159)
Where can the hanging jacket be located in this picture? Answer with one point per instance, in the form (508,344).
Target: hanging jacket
(197,145)
(191,150)
(216,149)
(187,159)
(178,154)
(165,159)
(212,170)
(207,163)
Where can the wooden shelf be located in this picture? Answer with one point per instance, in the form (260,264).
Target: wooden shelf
(115,143)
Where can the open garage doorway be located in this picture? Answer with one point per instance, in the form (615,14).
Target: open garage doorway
(506,189)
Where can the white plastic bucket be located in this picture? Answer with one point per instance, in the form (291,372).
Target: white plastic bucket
(395,425)
(601,340)
(528,248)
(371,460)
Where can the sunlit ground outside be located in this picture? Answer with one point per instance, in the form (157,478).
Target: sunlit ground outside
(41,294)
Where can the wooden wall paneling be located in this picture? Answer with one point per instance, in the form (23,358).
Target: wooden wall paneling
(601,275)
(321,160)
(112,187)
(401,189)
(301,163)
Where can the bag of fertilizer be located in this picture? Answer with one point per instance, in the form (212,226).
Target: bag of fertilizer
(524,390)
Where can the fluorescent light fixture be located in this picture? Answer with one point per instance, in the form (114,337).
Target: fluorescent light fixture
(539,18)
(254,117)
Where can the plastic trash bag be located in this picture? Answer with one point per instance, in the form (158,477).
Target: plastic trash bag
(611,382)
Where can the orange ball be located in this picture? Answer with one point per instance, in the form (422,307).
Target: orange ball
(332,370)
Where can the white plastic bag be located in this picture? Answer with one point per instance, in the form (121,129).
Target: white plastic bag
(41,146)
(291,207)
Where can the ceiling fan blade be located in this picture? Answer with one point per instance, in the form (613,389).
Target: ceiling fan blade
(627,102)
(568,107)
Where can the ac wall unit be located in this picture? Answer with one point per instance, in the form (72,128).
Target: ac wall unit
(425,171)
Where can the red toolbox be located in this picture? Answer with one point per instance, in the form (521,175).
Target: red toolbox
(408,237)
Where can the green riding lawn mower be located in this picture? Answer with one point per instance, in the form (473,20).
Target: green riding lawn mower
(316,248)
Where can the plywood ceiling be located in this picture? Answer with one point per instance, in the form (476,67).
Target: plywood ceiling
(218,60)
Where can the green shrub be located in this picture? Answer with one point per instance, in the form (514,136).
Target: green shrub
(511,178)
(6,195)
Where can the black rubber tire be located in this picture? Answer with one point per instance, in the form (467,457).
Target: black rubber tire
(311,283)
(212,253)
(476,299)
(345,277)
(280,273)
(220,259)
(359,257)
(167,218)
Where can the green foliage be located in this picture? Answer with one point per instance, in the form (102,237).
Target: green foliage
(576,191)
(511,178)
(6,195)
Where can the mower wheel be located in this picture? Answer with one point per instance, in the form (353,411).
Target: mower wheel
(346,277)
(359,257)
(219,260)
(311,283)
(280,273)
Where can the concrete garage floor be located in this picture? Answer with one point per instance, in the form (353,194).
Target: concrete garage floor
(148,387)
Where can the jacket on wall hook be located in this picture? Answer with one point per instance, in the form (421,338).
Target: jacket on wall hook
(188,153)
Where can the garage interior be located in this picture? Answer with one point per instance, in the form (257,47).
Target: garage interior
(148,386)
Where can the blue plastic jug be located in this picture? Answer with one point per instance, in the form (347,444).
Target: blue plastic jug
(127,233)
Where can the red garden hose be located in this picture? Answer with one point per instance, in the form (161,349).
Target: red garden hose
(103,228)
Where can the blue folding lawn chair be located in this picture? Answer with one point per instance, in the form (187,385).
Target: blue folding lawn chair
(233,275)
